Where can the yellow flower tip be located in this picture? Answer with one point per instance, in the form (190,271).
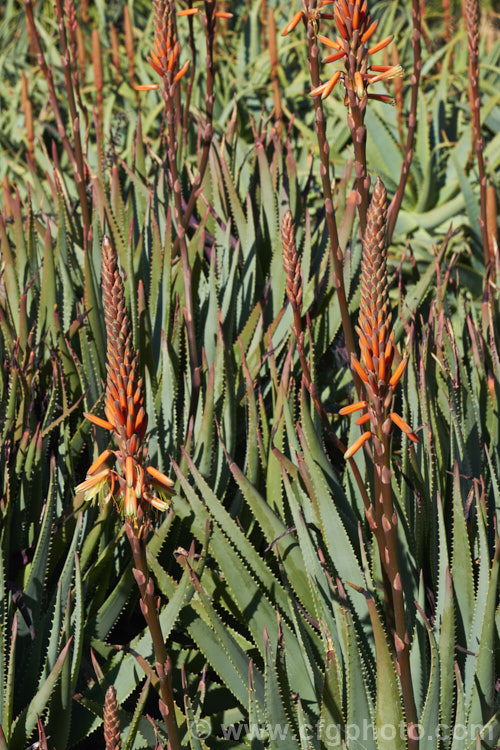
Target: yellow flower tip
(352,408)
(188,12)
(98,421)
(223,14)
(161,505)
(388,74)
(130,503)
(357,445)
(159,477)
(293,23)
(147,87)
(93,485)
(129,471)
(359,85)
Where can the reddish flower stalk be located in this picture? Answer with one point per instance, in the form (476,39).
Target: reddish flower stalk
(73,150)
(111,721)
(472,22)
(355,29)
(137,487)
(416,15)
(311,17)
(377,346)
(165,61)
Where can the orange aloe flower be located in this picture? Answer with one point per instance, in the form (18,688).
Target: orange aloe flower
(164,58)
(376,337)
(136,487)
(355,29)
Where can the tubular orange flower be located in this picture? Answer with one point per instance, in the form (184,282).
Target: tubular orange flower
(293,23)
(357,445)
(352,408)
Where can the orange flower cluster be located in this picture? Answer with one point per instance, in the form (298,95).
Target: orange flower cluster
(355,29)
(136,487)
(166,50)
(164,58)
(376,337)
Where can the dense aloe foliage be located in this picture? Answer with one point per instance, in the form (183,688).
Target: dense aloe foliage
(296,611)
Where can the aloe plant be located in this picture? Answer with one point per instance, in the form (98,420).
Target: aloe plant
(203,241)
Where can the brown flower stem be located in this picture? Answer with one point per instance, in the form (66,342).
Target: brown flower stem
(28,117)
(98,77)
(208,132)
(190,84)
(395,205)
(75,156)
(273,59)
(181,237)
(324,150)
(136,537)
(391,562)
(472,22)
(356,122)
(129,45)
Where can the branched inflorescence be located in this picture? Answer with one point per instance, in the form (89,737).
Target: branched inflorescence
(136,487)
(376,338)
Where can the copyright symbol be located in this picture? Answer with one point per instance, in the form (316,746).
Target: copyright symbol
(200,729)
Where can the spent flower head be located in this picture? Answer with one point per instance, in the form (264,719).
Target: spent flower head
(136,487)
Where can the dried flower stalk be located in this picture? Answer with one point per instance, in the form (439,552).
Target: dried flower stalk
(416,15)
(28,116)
(98,76)
(165,60)
(311,20)
(73,150)
(472,18)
